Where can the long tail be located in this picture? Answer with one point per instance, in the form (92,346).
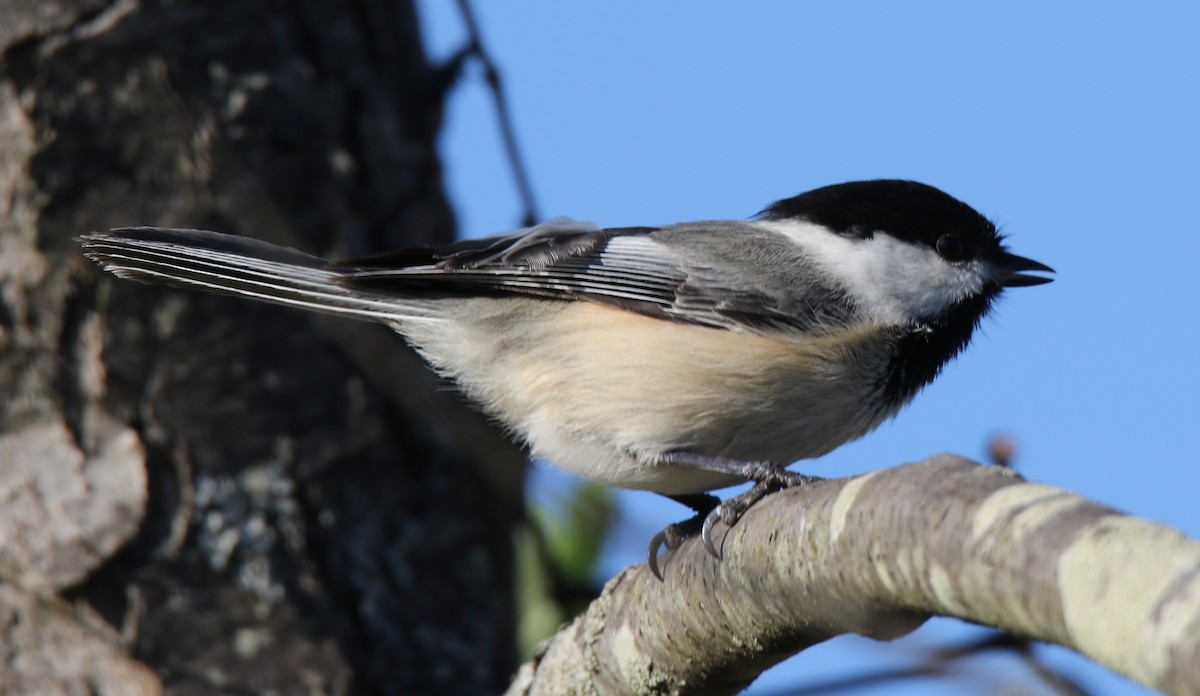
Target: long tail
(241,266)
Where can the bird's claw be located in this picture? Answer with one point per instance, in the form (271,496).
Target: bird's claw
(767,479)
(670,538)
(729,512)
(706,532)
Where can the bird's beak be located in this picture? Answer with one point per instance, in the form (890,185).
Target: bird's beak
(1009,273)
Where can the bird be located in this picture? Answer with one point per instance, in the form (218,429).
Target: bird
(680,358)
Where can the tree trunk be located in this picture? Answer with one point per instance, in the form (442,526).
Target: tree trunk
(243,498)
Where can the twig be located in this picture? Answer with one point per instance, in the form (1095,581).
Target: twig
(492,75)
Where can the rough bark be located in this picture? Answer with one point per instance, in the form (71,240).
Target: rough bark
(297,502)
(48,648)
(876,555)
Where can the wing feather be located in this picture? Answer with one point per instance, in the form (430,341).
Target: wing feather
(738,276)
(701,273)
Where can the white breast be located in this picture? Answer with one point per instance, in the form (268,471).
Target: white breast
(604,392)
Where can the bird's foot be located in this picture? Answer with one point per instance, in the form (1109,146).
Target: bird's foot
(731,510)
(675,534)
(767,478)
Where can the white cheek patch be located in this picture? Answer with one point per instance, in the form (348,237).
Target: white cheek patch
(893,281)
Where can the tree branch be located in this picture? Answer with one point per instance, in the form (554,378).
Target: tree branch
(877,555)
(491,74)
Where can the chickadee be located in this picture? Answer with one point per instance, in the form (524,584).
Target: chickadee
(675,359)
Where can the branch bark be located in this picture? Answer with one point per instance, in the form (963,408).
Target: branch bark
(877,555)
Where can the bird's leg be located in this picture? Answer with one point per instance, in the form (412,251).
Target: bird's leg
(768,477)
(674,534)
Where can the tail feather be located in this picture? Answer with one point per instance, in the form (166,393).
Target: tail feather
(241,266)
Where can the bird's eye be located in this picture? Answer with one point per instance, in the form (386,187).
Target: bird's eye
(952,248)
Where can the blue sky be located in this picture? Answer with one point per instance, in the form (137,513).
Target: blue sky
(1076,126)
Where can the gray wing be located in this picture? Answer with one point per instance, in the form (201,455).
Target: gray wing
(732,275)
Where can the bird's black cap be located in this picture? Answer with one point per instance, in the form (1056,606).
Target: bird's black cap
(906,210)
